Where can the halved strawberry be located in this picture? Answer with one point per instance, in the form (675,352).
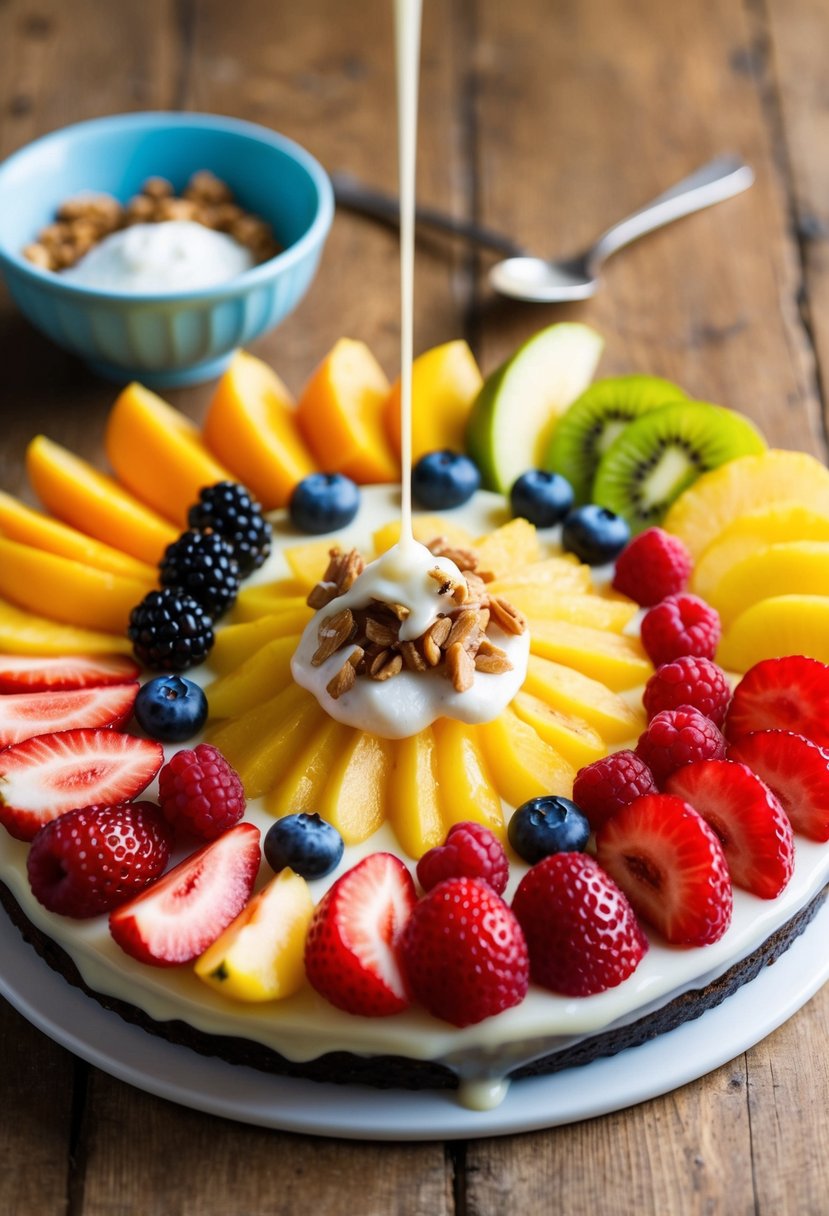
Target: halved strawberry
(31,673)
(791,693)
(24,714)
(47,775)
(671,866)
(181,914)
(796,770)
(749,822)
(351,952)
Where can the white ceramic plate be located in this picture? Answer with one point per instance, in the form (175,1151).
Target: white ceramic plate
(356,1112)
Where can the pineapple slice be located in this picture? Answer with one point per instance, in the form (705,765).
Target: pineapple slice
(509,547)
(797,568)
(425,528)
(616,661)
(355,796)
(414,810)
(23,633)
(305,777)
(522,765)
(236,643)
(259,678)
(776,627)
(466,791)
(575,694)
(558,574)
(575,739)
(542,606)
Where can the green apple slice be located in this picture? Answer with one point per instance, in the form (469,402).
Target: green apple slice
(516,410)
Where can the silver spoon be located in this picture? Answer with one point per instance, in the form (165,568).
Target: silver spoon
(575,278)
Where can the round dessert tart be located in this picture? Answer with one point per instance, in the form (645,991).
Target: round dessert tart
(573,679)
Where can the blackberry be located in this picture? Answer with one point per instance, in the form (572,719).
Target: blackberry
(170,631)
(228,508)
(202,564)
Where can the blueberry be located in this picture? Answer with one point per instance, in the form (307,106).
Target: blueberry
(444,479)
(541,497)
(548,825)
(323,502)
(595,534)
(306,843)
(170,708)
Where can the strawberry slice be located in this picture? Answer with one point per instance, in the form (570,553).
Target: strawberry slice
(796,770)
(351,952)
(791,693)
(180,915)
(749,822)
(30,673)
(671,866)
(47,775)
(24,714)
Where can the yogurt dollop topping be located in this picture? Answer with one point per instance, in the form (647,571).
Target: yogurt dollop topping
(176,255)
(412,700)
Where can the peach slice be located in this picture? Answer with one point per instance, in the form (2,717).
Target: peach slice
(257,679)
(800,567)
(67,591)
(251,426)
(413,809)
(522,765)
(236,643)
(23,633)
(513,545)
(579,695)
(93,503)
(775,627)
(574,738)
(261,743)
(301,784)
(445,382)
(615,660)
(466,790)
(544,605)
(340,415)
(356,794)
(158,454)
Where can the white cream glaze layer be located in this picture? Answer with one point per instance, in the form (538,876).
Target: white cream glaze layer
(306,1026)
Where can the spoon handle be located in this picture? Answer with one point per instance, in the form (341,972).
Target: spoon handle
(352,195)
(721,178)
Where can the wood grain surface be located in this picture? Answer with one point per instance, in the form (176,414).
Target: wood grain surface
(547,119)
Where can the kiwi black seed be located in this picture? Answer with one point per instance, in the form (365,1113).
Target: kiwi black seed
(596,419)
(662,452)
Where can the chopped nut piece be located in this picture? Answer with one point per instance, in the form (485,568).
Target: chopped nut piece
(335,631)
(454,588)
(381,632)
(440,629)
(38,255)
(460,667)
(506,617)
(464,559)
(208,188)
(463,629)
(342,681)
(400,611)
(157,187)
(492,664)
(386,665)
(412,658)
(176,209)
(488,647)
(321,595)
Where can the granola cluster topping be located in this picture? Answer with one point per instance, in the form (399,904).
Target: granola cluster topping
(85,220)
(456,643)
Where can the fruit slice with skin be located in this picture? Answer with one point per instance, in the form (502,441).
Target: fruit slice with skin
(251,427)
(796,568)
(158,453)
(259,956)
(44,674)
(521,763)
(573,738)
(183,913)
(351,954)
(596,419)
(571,692)
(445,382)
(29,527)
(340,415)
(465,789)
(67,591)
(516,411)
(598,612)
(257,679)
(78,494)
(413,808)
(749,822)
(776,627)
(507,548)
(236,643)
(300,784)
(24,714)
(357,792)
(671,866)
(23,633)
(796,770)
(791,693)
(48,774)
(770,525)
(615,660)
(718,498)
(663,452)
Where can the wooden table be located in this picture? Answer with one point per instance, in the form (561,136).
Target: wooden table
(546,119)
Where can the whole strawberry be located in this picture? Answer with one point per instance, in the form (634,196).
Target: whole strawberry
(688,681)
(678,625)
(653,566)
(464,954)
(92,860)
(469,851)
(679,736)
(200,794)
(605,786)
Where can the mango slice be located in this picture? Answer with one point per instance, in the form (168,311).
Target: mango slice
(775,627)
(263,601)
(522,765)
(158,454)
(236,643)
(263,742)
(23,633)
(251,426)
(573,737)
(573,693)
(466,791)
(302,783)
(445,382)
(340,415)
(800,567)
(413,810)
(507,548)
(307,562)
(78,494)
(424,528)
(257,679)
(556,574)
(614,660)
(543,607)
(356,794)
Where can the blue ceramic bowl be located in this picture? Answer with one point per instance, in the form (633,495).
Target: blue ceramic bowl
(163,339)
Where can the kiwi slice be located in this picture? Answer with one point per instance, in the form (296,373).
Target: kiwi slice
(664,451)
(596,418)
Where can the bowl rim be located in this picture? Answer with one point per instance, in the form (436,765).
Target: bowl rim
(313,236)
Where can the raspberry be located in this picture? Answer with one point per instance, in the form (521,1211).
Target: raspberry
(91,860)
(676,737)
(170,631)
(581,932)
(202,565)
(464,953)
(688,681)
(200,794)
(604,787)
(229,509)
(469,851)
(654,565)
(679,625)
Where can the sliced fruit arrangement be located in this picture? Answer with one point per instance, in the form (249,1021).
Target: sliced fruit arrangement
(36,713)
